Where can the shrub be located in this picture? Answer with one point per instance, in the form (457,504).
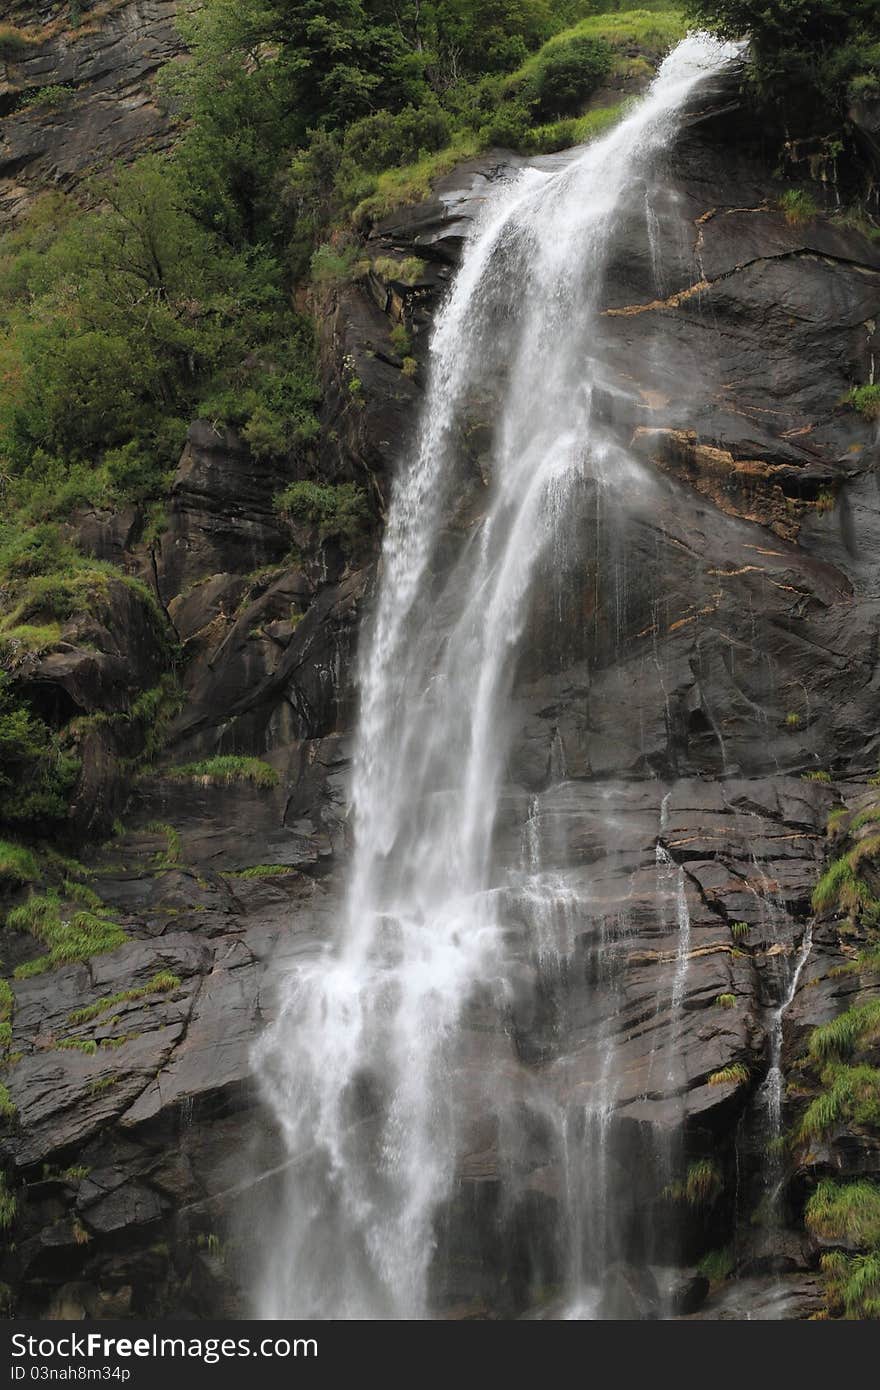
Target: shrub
(798,205)
(383,140)
(36,775)
(850,1095)
(840,1038)
(847,1212)
(338,509)
(853,1283)
(568,73)
(866,400)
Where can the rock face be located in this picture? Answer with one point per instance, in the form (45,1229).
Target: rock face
(78,95)
(666,748)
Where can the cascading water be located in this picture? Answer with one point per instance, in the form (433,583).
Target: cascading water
(360,1067)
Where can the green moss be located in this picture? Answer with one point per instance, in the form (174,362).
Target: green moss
(226,770)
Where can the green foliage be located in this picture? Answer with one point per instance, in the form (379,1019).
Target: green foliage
(850,1095)
(88,1046)
(802,50)
(739,930)
(7,1108)
(847,1212)
(227,769)
(855,1028)
(17,864)
(866,400)
(568,73)
(820,776)
(726,1001)
(853,1284)
(36,775)
(799,206)
(8,1204)
(332,267)
(717,1265)
(83,934)
(702,1185)
(170,855)
(792,720)
(406,271)
(336,510)
(162,983)
(737,1074)
(261,871)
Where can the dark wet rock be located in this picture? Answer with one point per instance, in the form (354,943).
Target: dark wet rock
(221,517)
(689,1295)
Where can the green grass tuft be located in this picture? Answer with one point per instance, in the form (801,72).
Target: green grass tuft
(737,1074)
(847,1212)
(227,769)
(87,932)
(17,864)
(162,983)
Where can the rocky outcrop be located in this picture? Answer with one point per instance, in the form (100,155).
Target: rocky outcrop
(679,746)
(74,96)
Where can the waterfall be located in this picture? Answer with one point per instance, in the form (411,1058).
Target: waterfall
(366,1068)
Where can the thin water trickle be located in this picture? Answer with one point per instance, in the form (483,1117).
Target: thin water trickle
(360,1066)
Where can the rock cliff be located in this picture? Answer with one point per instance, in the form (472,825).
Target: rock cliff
(721,710)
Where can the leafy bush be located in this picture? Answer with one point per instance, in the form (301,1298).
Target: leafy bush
(36,775)
(866,400)
(569,74)
(814,47)
(799,205)
(336,510)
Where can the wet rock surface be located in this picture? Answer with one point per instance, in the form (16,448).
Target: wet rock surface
(665,729)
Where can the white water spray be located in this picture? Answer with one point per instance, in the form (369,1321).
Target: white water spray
(359,1068)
